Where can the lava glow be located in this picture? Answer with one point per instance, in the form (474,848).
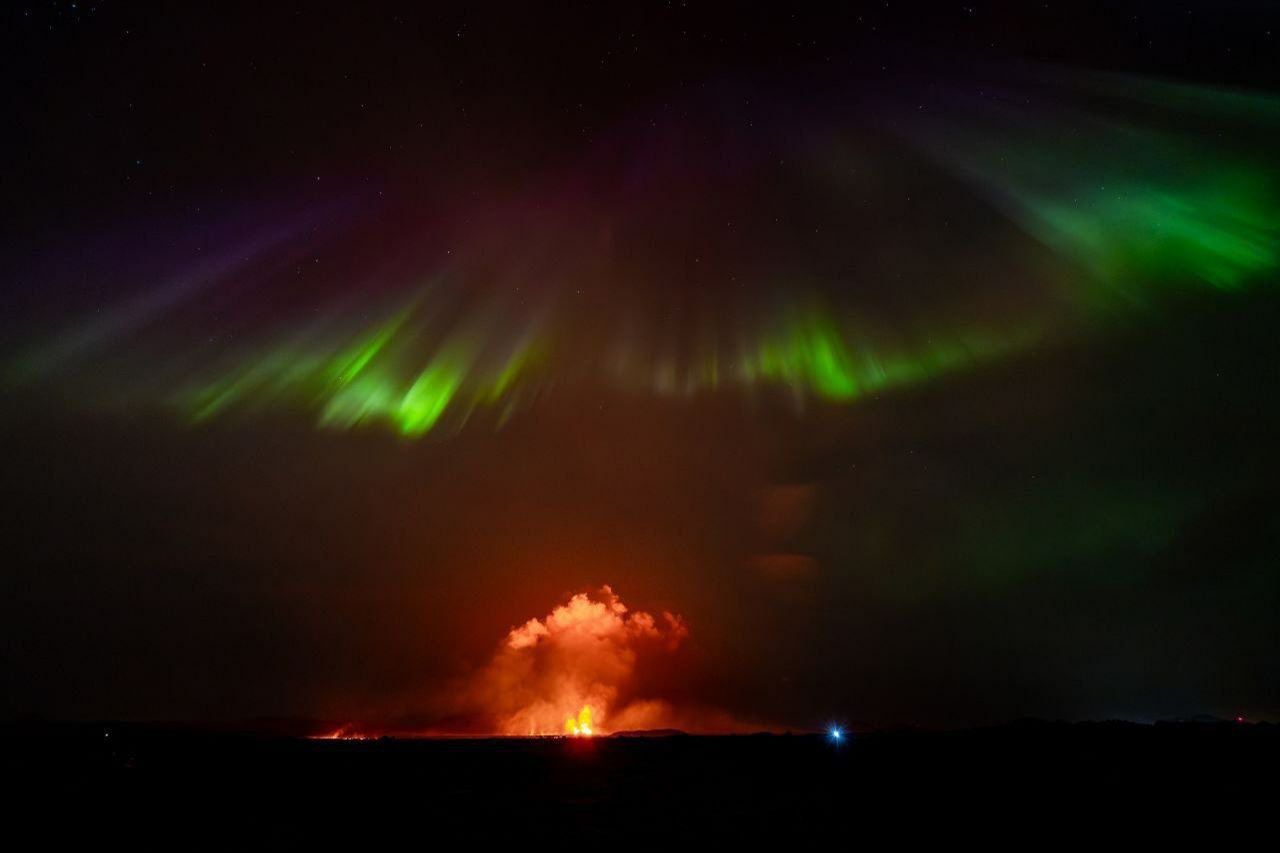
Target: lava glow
(345,732)
(574,672)
(579,726)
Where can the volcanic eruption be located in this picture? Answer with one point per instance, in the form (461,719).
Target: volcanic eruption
(573,672)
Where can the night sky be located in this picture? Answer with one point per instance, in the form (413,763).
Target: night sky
(906,364)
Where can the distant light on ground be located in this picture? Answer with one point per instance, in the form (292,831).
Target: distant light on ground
(835,733)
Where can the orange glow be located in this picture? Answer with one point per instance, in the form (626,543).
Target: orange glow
(581,725)
(346,732)
(572,671)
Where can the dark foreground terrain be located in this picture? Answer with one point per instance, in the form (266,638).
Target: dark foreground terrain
(188,789)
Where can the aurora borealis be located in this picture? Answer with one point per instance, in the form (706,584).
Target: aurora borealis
(922,362)
(1127,210)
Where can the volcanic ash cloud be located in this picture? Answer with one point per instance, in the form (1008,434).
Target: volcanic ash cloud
(573,671)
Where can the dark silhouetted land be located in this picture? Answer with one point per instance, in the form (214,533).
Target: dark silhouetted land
(190,788)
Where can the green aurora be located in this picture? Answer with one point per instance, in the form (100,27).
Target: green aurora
(1133,212)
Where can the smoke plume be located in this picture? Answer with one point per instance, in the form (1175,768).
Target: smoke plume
(582,655)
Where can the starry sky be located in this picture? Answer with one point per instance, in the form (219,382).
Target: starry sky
(919,355)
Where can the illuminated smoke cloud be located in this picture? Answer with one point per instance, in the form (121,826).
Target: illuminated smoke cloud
(573,671)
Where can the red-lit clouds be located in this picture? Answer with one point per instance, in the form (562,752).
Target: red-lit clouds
(583,654)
